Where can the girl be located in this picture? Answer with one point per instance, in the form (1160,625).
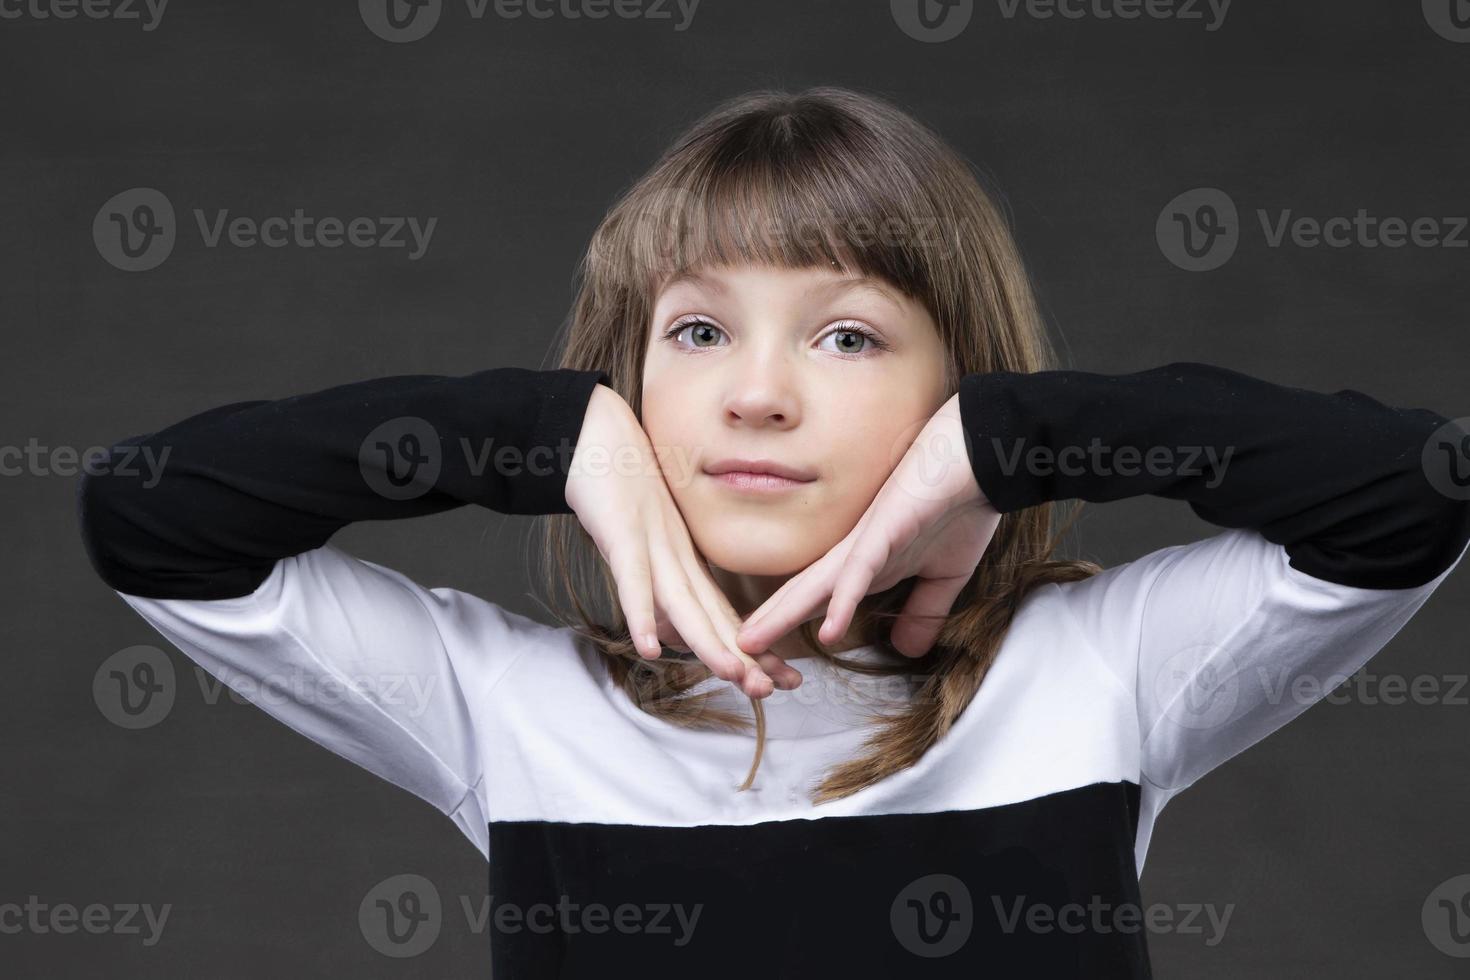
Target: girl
(805,379)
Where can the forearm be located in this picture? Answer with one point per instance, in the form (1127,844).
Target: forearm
(1337,479)
(242,485)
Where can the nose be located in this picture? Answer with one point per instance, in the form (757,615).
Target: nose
(762,408)
(762,393)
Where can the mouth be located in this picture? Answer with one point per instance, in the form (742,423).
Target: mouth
(759,476)
(757,482)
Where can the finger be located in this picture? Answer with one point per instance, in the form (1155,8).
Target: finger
(868,558)
(687,621)
(799,600)
(635,593)
(669,637)
(921,619)
(715,619)
(689,617)
(785,676)
(725,621)
(765,607)
(824,565)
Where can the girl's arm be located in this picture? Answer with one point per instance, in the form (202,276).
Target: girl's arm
(1338,480)
(249,483)
(1338,536)
(225,554)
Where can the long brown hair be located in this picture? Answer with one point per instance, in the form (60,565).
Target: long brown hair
(831,178)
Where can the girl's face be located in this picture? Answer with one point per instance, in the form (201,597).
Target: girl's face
(825,373)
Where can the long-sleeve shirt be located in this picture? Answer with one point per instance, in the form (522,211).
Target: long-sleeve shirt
(617,841)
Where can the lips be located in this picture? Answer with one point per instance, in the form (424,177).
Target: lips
(761,466)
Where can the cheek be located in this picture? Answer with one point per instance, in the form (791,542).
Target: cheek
(873,435)
(859,465)
(653,411)
(673,429)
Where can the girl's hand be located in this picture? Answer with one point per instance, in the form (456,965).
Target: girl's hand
(617,490)
(930,519)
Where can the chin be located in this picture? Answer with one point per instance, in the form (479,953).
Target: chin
(756,551)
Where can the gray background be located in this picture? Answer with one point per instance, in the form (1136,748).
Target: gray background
(1326,839)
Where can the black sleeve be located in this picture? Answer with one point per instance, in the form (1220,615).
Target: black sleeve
(1341,481)
(204,508)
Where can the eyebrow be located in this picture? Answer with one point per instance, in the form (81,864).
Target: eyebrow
(865,284)
(696,279)
(860,283)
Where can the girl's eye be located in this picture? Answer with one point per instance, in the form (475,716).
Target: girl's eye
(698,328)
(850,336)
